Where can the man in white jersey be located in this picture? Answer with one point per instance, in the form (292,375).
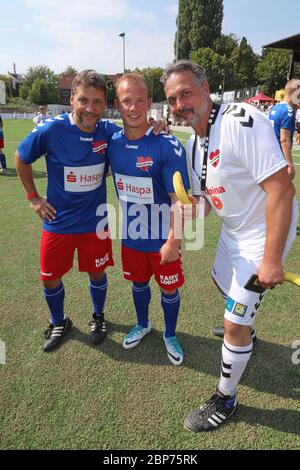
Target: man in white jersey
(236,164)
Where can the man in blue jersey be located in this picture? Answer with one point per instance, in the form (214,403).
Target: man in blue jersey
(282,117)
(143,165)
(74,146)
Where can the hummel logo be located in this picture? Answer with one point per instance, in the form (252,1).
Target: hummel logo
(239,114)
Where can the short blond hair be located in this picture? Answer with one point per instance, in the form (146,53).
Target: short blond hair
(132,77)
(291,87)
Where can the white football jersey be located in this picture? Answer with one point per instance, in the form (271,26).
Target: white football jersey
(242,152)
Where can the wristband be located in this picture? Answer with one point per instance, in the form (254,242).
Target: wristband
(32,195)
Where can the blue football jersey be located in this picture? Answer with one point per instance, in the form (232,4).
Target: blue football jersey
(76,163)
(282,116)
(143,172)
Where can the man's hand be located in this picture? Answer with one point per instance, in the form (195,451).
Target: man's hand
(188,211)
(291,171)
(42,208)
(169,251)
(159,126)
(270,274)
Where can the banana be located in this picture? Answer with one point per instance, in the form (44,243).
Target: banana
(179,189)
(292,277)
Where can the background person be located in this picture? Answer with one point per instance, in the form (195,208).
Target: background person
(3,167)
(297,127)
(282,117)
(237,166)
(42,115)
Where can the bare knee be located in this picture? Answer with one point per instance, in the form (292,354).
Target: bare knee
(237,335)
(168,291)
(53,284)
(96,276)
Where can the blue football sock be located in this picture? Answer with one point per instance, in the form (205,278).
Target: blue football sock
(98,290)
(170,305)
(3,161)
(55,300)
(141,296)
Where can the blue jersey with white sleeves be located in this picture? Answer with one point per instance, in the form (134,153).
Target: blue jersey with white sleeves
(143,172)
(76,163)
(282,116)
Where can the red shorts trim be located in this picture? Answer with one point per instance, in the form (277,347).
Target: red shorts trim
(139,266)
(57,253)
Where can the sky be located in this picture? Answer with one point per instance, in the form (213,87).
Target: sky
(85,33)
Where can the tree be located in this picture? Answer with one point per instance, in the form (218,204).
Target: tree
(38,93)
(40,82)
(70,70)
(110,92)
(214,65)
(271,71)
(243,61)
(225,44)
(200,23)
(155,86)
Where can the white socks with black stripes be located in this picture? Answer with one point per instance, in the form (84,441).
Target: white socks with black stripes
(233,363)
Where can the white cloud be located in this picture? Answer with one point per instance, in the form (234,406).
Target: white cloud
(146,17)
(80,9)
(84,34)
(172,8)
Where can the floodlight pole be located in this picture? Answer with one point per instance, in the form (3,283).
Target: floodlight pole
(177,35)
(122,35)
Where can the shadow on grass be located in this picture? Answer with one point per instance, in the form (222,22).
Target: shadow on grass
(270,370)
(281,419)
(12,172)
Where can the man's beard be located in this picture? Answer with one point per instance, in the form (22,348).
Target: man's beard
(88,124)
(192,121)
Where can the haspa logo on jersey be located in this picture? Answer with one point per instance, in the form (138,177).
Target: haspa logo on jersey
(214,158)
(83,178)
(213,192)
(120,184)
(139,190)
(99,146)
(144,163)
(71,177)
(136,189)
(169,280)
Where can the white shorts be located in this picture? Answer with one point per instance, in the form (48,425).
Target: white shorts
(236,261)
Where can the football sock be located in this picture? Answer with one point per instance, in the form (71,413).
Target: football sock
(170,304)
(233,364)
(141,297)
(55,300)
(98,290)
(3,161)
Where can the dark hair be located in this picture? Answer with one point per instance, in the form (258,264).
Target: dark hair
(89,78)
(185,65)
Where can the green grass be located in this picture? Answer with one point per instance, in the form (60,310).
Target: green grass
(85,397)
